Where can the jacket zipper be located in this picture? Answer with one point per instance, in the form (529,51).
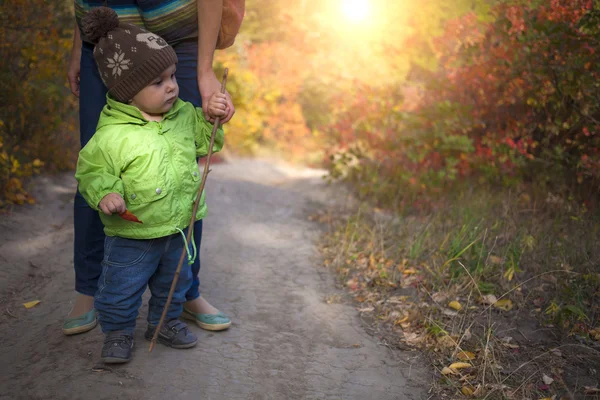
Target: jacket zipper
(172,165)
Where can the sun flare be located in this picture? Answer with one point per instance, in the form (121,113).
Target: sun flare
(355,10)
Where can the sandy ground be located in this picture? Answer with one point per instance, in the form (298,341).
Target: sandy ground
(260,265)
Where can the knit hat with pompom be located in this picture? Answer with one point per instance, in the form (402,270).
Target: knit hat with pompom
(129,58)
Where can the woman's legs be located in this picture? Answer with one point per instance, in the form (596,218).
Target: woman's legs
(187,78)
(89,232)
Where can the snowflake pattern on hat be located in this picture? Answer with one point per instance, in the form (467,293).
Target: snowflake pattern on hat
(118,63)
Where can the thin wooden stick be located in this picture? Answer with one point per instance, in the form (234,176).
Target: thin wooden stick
(193,220)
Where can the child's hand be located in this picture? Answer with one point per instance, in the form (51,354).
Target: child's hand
(217,105)
(112,203)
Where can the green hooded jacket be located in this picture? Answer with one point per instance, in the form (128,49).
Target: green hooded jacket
(151,164)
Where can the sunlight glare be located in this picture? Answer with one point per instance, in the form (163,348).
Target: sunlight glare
(355,10)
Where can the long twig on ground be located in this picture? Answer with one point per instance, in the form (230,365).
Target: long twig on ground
(192,221)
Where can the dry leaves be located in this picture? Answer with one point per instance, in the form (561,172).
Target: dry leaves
(547,380)
(489,299)
(591,390)
(504,304)
(31,304)
(455,305)
(465,356)
(460,365)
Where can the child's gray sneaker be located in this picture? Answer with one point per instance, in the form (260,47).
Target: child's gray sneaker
(117,347)
(173,333)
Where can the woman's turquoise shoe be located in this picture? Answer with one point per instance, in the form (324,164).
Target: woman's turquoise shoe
(80,324)
(210,322)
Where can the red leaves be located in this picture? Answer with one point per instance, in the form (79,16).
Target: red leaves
(129,216)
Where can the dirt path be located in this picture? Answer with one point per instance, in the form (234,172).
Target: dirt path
(259,265)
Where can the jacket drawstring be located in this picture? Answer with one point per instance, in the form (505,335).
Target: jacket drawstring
(190,258)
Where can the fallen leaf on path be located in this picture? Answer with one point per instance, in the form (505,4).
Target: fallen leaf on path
(397,299)
(467,391)
(465,356)
(31,304)
(489,299)
(455,305)
(547,380)
(449,313)
(352,284)
(504,304)
(460,365)
(448,371)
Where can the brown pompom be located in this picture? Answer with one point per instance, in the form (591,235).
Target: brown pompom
(98,22)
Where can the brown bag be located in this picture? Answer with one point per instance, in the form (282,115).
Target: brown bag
(231,20)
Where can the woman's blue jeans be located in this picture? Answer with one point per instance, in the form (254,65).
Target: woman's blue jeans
(89,232)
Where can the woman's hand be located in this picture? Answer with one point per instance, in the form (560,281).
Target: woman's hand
(74,67)
(73,75)
(112,203)
(209,85)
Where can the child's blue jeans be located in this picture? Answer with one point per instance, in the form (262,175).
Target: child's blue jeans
(89,232)
(128,266)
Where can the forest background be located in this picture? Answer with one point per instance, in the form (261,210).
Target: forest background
(469,131)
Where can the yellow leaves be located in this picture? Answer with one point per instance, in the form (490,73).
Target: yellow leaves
(510,273)
(504,304)
(453,368)
(31,304)
(37,163)
(465,356)
(552,309)
(595,334)
(467,391)
(455,305)
(401,320)
(459,365)
(15,165)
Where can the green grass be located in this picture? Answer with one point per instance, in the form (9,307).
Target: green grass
(540,252)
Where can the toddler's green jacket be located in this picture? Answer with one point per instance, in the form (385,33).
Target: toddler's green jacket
(151,164)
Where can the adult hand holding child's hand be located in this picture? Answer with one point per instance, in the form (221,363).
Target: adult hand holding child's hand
(112,203)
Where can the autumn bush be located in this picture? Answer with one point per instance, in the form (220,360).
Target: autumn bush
(37,111)
(513,98)
(479,174)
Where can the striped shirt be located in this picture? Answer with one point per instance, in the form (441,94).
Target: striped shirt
(173,20)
